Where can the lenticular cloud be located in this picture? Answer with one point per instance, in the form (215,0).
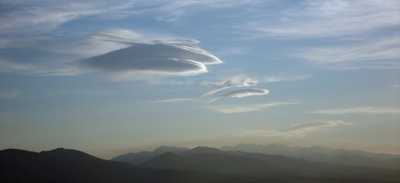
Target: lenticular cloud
(231,83)
(242,93)
(164,58)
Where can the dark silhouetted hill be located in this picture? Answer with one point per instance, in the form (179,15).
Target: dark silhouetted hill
(65,165)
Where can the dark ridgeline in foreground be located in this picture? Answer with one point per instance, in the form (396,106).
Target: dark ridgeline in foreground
(171,164)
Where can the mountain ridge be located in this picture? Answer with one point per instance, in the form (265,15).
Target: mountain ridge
(204,165)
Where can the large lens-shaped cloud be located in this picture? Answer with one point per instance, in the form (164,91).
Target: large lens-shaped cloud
(157,58)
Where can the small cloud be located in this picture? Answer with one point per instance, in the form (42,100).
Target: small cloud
(238,81)
(242,93)
(270,79)
(245,81)
(230,109)
(162,58)
(360,110)
(298,130)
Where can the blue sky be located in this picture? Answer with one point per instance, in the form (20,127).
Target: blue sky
(108,77)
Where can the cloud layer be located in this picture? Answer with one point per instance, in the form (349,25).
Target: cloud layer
(361,110)
(298,130)
(230,109)
(313,19)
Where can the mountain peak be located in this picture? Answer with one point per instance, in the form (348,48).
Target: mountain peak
(68,153)
(164,149)
(204,150)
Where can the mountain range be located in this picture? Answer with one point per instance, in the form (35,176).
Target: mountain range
(242,163)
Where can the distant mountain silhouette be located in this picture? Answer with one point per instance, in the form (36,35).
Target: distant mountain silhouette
(325,155)
(144,156)
(279,161)
(203,150)
(205,159)
(164,149)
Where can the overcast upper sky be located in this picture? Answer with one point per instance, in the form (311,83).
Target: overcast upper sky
(109,77)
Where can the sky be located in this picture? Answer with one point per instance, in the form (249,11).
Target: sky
(111,77)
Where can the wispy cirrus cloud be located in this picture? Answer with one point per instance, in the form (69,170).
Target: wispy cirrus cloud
(242,93)
(361,110)
(381,54)
(230,109)
(40,16)
(171,10)
(282,78)
(314,19)
(355,24)
(298,130)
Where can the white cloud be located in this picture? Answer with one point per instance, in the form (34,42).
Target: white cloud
(174,10)
(298,130)
(124,54)
(245,93)
(230,109)
(329,18)
(237,81)
(242,93)
(361,110)
(246,81)
(281,78)
(40,16)
(383,54)
(161,58)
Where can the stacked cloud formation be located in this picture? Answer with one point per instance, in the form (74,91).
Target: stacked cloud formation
(160,58)
(177,57)
(236,93)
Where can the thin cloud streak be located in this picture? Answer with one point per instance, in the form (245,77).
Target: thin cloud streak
(271,79)
(230,109)
(314,19)
(41,18)
(298,130)
(242,93)
(361,110)
(383,54)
